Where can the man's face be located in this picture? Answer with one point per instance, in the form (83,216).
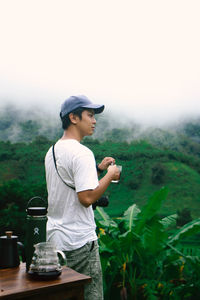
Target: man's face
(87,124)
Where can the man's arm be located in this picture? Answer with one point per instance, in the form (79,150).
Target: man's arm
(89,197)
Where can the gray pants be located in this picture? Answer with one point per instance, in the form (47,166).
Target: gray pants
(86,260)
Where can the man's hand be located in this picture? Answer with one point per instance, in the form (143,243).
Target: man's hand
(114,172)
(106,162)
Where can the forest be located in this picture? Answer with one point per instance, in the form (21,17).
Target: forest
(158,163)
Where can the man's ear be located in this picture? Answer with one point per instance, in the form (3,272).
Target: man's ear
(73,118)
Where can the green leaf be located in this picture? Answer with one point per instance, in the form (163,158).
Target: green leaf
(154,236)
(106,243)
(150,209)
(127,245)
(104,218)
(188,229)
(130,216)
(169,221)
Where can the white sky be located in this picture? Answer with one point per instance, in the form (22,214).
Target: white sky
(140,58)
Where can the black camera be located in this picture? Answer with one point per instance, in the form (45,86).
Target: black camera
(103,202)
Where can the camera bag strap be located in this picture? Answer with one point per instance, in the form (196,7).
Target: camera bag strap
(54,158)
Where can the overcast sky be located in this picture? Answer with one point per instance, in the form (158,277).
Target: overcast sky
(140,58)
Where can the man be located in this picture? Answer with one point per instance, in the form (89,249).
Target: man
(73,186)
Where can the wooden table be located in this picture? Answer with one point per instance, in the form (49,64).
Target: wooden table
(15,284)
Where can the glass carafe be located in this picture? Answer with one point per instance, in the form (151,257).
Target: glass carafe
(47,261)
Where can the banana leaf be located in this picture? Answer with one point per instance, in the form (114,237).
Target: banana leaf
(103,218)
(130,216)
(150,209)
(107,243)
(127,242)
(169,221)
(188,229)
(154,236)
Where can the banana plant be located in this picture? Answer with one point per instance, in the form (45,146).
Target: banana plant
(126,240)
(136,248)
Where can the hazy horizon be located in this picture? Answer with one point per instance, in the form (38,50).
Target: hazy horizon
(139,58)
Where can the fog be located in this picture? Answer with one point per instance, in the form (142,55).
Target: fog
(139,58)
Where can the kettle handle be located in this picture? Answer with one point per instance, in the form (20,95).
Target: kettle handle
(36,197)
(63,256)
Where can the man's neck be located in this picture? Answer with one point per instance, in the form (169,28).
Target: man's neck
(71,134)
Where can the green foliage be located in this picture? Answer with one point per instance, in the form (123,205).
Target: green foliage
(22,175)
(117,134)
(141,258)
(130,216)
(192,129)
(158,173)
(150,209)
(184,216)
(181,174)
(188,229)
(13,218)
(28,129)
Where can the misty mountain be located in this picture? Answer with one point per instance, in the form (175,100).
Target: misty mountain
(19,124)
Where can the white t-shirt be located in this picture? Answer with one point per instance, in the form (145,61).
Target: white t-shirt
(70,225)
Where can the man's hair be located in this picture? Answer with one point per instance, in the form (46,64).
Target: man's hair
(66,120)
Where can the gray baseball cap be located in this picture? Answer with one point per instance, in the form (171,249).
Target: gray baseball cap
(74,102)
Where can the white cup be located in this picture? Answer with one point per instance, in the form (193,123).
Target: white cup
(120,169)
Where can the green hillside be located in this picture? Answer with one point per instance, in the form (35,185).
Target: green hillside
(145,170)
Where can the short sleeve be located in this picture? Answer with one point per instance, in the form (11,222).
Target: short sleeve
(85,173)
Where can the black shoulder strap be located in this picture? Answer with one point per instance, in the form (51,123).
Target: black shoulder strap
(54,158)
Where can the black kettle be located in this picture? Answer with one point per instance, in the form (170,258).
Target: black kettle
(9,251)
